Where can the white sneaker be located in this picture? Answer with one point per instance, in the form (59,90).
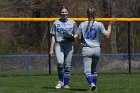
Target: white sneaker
(92,87)
(59,85)
(66,87)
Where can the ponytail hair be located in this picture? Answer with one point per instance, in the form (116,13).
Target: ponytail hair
(91,12)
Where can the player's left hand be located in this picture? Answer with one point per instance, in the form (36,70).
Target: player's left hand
(71,38)
(68,37)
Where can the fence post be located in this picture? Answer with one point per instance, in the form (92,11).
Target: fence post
(29,63)
(49,59)
(129,46)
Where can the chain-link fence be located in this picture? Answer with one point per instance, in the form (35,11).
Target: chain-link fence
(24,46)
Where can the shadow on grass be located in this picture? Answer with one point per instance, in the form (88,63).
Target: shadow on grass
(72,89)
(48,87)
(75,89)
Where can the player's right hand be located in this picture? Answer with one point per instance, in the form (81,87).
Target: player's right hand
(51,53)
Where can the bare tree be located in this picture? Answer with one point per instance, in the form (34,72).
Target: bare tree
(29,35)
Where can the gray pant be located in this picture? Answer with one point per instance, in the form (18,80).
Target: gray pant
(90,58)
(64,52)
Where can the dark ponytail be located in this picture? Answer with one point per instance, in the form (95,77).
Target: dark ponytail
(91,12)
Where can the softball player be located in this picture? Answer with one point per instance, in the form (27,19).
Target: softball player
(90,30)
(62,38)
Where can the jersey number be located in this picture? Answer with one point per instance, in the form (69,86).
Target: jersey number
(92,34)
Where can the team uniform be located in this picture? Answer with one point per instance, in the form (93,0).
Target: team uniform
(63,47)
(90,32)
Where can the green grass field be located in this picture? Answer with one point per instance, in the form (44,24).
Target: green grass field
(43,83)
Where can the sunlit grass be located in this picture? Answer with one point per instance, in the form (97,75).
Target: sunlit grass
(33,82)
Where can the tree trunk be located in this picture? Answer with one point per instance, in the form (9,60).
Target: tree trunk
(113,36)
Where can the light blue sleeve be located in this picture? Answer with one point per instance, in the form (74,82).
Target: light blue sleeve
(53,29)
(79,30)
(102,29)
(74,28)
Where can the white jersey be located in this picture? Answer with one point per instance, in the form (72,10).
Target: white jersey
(91,37)
(59,29)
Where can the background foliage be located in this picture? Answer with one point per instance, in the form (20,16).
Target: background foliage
(31,37)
